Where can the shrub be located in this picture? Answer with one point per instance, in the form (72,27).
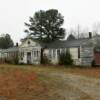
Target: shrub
(16,60)
(65,58)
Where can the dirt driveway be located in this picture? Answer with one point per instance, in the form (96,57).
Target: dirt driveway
(73,87)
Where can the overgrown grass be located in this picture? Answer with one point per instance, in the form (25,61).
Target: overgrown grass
(85,71)
(35,82)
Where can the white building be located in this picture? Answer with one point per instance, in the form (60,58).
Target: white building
(30,51)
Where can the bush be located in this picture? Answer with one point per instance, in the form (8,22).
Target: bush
(65,59)
(16,60)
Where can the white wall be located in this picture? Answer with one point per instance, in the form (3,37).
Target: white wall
(32,43)
(74,53)
(33,46)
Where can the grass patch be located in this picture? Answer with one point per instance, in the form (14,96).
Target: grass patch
(28,82)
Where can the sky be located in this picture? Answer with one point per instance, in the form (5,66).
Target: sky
(13,14)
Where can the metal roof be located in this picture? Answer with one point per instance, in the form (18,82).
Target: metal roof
(55,44)
(12,49)
(61,43)
(66,43)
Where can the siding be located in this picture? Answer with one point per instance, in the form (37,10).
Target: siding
(86,55)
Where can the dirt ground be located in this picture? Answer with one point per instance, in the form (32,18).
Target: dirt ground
(49,83)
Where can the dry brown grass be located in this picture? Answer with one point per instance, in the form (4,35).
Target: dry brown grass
(18,83)
(27,82)
(90,72)
(85,71)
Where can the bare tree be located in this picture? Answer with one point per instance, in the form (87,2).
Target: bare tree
(79,32)
(96,28)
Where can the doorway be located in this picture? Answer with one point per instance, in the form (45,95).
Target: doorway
(28,57)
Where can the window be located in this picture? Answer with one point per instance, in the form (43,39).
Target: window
(50,53)
(58,52)
(28,42)
(54,53)
(78,52)
(63,50)
(21,55)
(36,53)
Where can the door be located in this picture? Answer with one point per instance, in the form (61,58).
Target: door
(28,57)
(97,55)
(97,58)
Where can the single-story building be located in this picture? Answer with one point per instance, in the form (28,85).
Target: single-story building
(84,51)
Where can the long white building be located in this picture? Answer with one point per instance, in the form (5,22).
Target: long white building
(83,51)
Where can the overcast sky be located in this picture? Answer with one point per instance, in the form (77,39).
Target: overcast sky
(13,14)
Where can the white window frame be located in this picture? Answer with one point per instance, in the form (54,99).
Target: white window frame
(54,53)
(36,53)
(59,52)
(50,53)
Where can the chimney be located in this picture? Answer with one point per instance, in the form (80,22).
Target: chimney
(90,35)
(16,44)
